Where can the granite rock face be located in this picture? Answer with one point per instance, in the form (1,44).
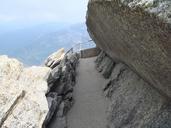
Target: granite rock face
(138,33)
(37,97)
(22,94)
(133,102)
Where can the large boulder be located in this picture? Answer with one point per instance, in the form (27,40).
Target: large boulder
(138,33)
(22,97)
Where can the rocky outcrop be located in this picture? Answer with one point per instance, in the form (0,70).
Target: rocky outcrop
(22,97)
(54,59)
(61,83)
(138,33)
(133,103)
(37,96)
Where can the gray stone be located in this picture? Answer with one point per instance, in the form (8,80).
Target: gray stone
(68,105)
(61,82)
(60,112)
(135,103)
(58,123)
(136,32)
(54,75)
(68,96)
(53,101)
(108,68)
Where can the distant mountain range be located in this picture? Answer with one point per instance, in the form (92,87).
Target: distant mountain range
(33,45)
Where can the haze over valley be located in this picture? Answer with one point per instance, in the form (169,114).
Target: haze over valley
(33,44)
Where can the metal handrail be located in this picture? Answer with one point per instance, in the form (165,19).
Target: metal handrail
(80,46)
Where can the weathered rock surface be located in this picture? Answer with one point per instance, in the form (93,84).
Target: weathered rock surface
(54,59)
(104,64)
(37,96)
(61,83)
(22,97)
(136,32)
(134,103)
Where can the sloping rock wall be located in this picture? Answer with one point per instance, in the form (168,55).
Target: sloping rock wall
(61,83)
(134,103)
(136,32)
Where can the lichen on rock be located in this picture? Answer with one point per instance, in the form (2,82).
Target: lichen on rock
(161,8)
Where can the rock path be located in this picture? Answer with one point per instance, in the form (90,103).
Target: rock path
(89,110)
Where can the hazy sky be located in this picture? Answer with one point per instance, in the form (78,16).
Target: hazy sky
(72,11)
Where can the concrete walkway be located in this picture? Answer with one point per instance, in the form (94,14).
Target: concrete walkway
(89,110)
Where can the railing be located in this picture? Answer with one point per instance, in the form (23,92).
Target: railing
(76,48)
(81,46)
